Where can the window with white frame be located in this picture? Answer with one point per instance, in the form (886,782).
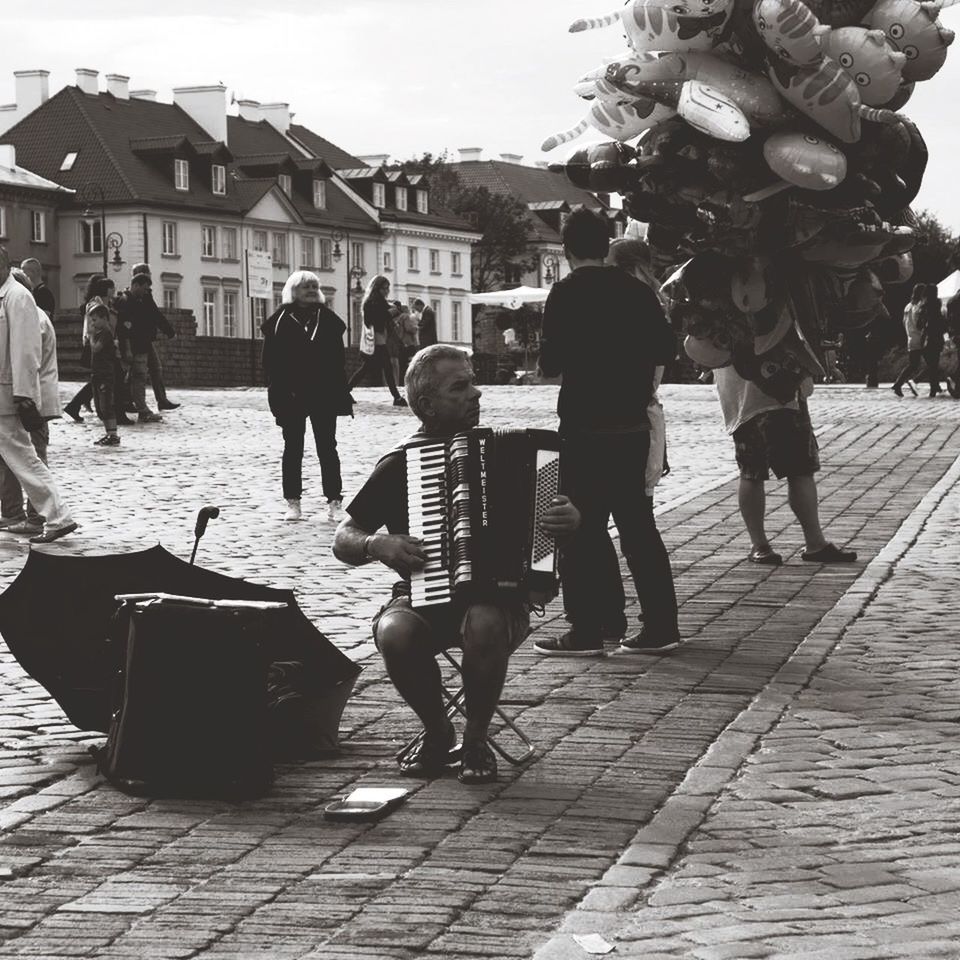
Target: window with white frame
(455,320)
(423,205)
(230,303)
(3,221)
(90,236)
(208,242)
(280,249)
(320,194)
(326,254)
(259,316)
(68,161)
(210,296)
(413,258)
(228,243)
(38,226)
(171,298)
(260,240)
(356,254)
(218,179)
(286,183)
(387,260)
(306,252)
(181,175)
(455,264)
(169,246)
(401,193)
(379,194)
(434,261)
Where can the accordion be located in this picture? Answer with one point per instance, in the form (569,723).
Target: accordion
(476,501)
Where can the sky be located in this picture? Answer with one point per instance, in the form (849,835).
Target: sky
(399,77)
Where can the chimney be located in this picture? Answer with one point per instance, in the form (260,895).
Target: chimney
(143,95)
(250,110)
(118,85)
(470,154)
(8,155)
(32,88)
(207,106)
(277,115)
(511,157)
(87,80)
(374,159)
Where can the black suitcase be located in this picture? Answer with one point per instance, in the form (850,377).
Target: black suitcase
(190,717)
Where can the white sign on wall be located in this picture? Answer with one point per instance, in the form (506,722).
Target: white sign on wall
(259,274)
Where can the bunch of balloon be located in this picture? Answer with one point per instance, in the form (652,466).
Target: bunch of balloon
(765,132)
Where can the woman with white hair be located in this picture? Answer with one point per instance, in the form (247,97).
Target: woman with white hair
(303,363)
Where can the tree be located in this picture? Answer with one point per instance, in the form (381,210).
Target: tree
(502,220)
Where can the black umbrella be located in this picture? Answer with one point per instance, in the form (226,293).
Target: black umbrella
(55,618)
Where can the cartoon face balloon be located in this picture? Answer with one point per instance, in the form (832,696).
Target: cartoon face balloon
(866,55)
(913,29)
(805,160)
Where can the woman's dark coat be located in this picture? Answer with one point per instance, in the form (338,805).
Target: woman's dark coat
(305,373)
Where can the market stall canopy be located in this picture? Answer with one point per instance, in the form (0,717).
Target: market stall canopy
(511,299)
(948,287)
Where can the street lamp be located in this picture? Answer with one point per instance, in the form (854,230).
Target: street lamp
(115,242)
(551,267)
(356,273)
(89,194)
(337,236)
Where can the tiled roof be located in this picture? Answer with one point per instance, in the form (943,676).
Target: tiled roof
(337,158)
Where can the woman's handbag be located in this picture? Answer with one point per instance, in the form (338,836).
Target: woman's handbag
(367,341)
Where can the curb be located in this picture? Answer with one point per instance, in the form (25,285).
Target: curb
(657,845)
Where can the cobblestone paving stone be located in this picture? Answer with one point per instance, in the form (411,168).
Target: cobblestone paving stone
(459,872)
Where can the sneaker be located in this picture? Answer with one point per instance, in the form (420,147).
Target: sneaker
(399,402)
(643,643)
(108,440)
(293,510)
(569,644)
(54,533)
(167,405)
(7,522)
(335,510)
(26,529)
(478,764)
(150,417)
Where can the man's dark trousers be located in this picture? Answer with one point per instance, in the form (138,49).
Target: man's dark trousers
(603,474)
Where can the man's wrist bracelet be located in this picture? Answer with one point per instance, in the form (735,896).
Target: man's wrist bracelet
(366,547)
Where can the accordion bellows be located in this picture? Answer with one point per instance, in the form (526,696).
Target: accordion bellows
(476,501)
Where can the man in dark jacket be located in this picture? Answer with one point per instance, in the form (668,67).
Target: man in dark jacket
(427,323)
(604,331)
(137,322)
(41,292)
(154,366)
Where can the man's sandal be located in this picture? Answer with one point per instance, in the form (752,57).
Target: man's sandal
(431,756)
(478,765)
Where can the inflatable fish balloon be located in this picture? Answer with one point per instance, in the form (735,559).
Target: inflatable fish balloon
(804,160)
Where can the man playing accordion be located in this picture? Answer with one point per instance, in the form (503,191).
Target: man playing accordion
(487,626)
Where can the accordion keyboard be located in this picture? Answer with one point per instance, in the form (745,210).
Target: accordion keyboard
(427,516)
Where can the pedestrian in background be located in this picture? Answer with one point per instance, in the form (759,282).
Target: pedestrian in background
(15,517)
(394,347)
(42,294)
(913,325)
(154,366)
(409,330)
(137,321)
(303,363)
(84,396)
(427,322)
(377,315)
(934,327)
(21,354)
(605,429)
(100,331)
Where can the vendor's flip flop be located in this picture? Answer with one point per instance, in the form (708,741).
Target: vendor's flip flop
(769,557)
(829,554)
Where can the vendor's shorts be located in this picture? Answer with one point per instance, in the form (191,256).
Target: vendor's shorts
(448,622)
(778,440)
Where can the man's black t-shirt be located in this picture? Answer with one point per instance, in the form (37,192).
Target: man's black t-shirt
(382,500)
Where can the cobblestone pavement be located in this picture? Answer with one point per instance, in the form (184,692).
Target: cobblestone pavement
(821,811)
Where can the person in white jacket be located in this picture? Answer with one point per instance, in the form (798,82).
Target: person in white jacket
(21,360)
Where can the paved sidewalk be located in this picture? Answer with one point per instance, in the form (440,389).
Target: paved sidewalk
(456,872)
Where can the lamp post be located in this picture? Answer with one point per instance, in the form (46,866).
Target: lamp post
(551,267)
(114,243)
(356,274)
(89,194)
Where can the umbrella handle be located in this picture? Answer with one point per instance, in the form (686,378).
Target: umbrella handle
(206,514)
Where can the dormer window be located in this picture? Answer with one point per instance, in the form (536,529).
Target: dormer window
(320,194)
(401,198)
(286,183)
(181,174)
(380,195)
(218,179)
(423,205)
(68,161)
